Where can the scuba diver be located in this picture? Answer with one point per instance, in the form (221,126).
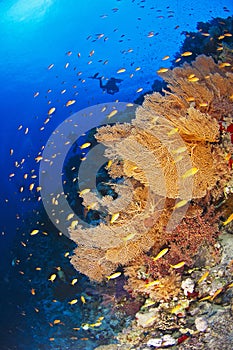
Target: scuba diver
(110,87)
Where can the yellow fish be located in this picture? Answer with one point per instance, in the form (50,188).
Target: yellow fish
(111,114)
(151,319)
(74,224)
(127,238)
(74,281)
(70,102)
(160,254)
(190,99)
(52,277)
(216,293)
(46,121)
(100,318)
(165,58)
(172,132)
(148,303)
(203,277)
(179,265)
(114,275)
(139,90)
(56,321)
(114,218)
(186,53)
(224,64)
(109,164)
(70,216)
(85,145)
(162,70)
(38,159)
(86,190)
(34,232)
(177,309)
(205,298)
(153,283)
(51,111)
(121,70)
(180,204)
(180,150)
(74,301)
(83,300)
(31,186)
(228,220)
(97,324)
(190,172)
(194,79)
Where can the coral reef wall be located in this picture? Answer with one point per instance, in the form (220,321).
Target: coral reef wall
(174,162)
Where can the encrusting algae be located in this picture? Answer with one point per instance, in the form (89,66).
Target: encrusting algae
(175,142)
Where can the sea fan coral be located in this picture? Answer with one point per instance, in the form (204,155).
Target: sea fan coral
(170,154)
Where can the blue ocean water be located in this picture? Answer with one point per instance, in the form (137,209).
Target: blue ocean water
(47,47)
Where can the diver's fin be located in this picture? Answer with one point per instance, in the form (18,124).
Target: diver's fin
(94,76)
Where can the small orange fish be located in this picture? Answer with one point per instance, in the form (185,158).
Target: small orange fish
(162,70)
(121,70)
(56,321)
(70,102)
(193,79)
(186,53)
(51,111)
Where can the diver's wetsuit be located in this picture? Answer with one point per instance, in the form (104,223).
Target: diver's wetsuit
(110,87)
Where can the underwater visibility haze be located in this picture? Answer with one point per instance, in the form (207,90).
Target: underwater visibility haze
(86,243)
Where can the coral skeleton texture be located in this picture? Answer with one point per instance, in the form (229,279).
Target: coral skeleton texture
(173,145)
